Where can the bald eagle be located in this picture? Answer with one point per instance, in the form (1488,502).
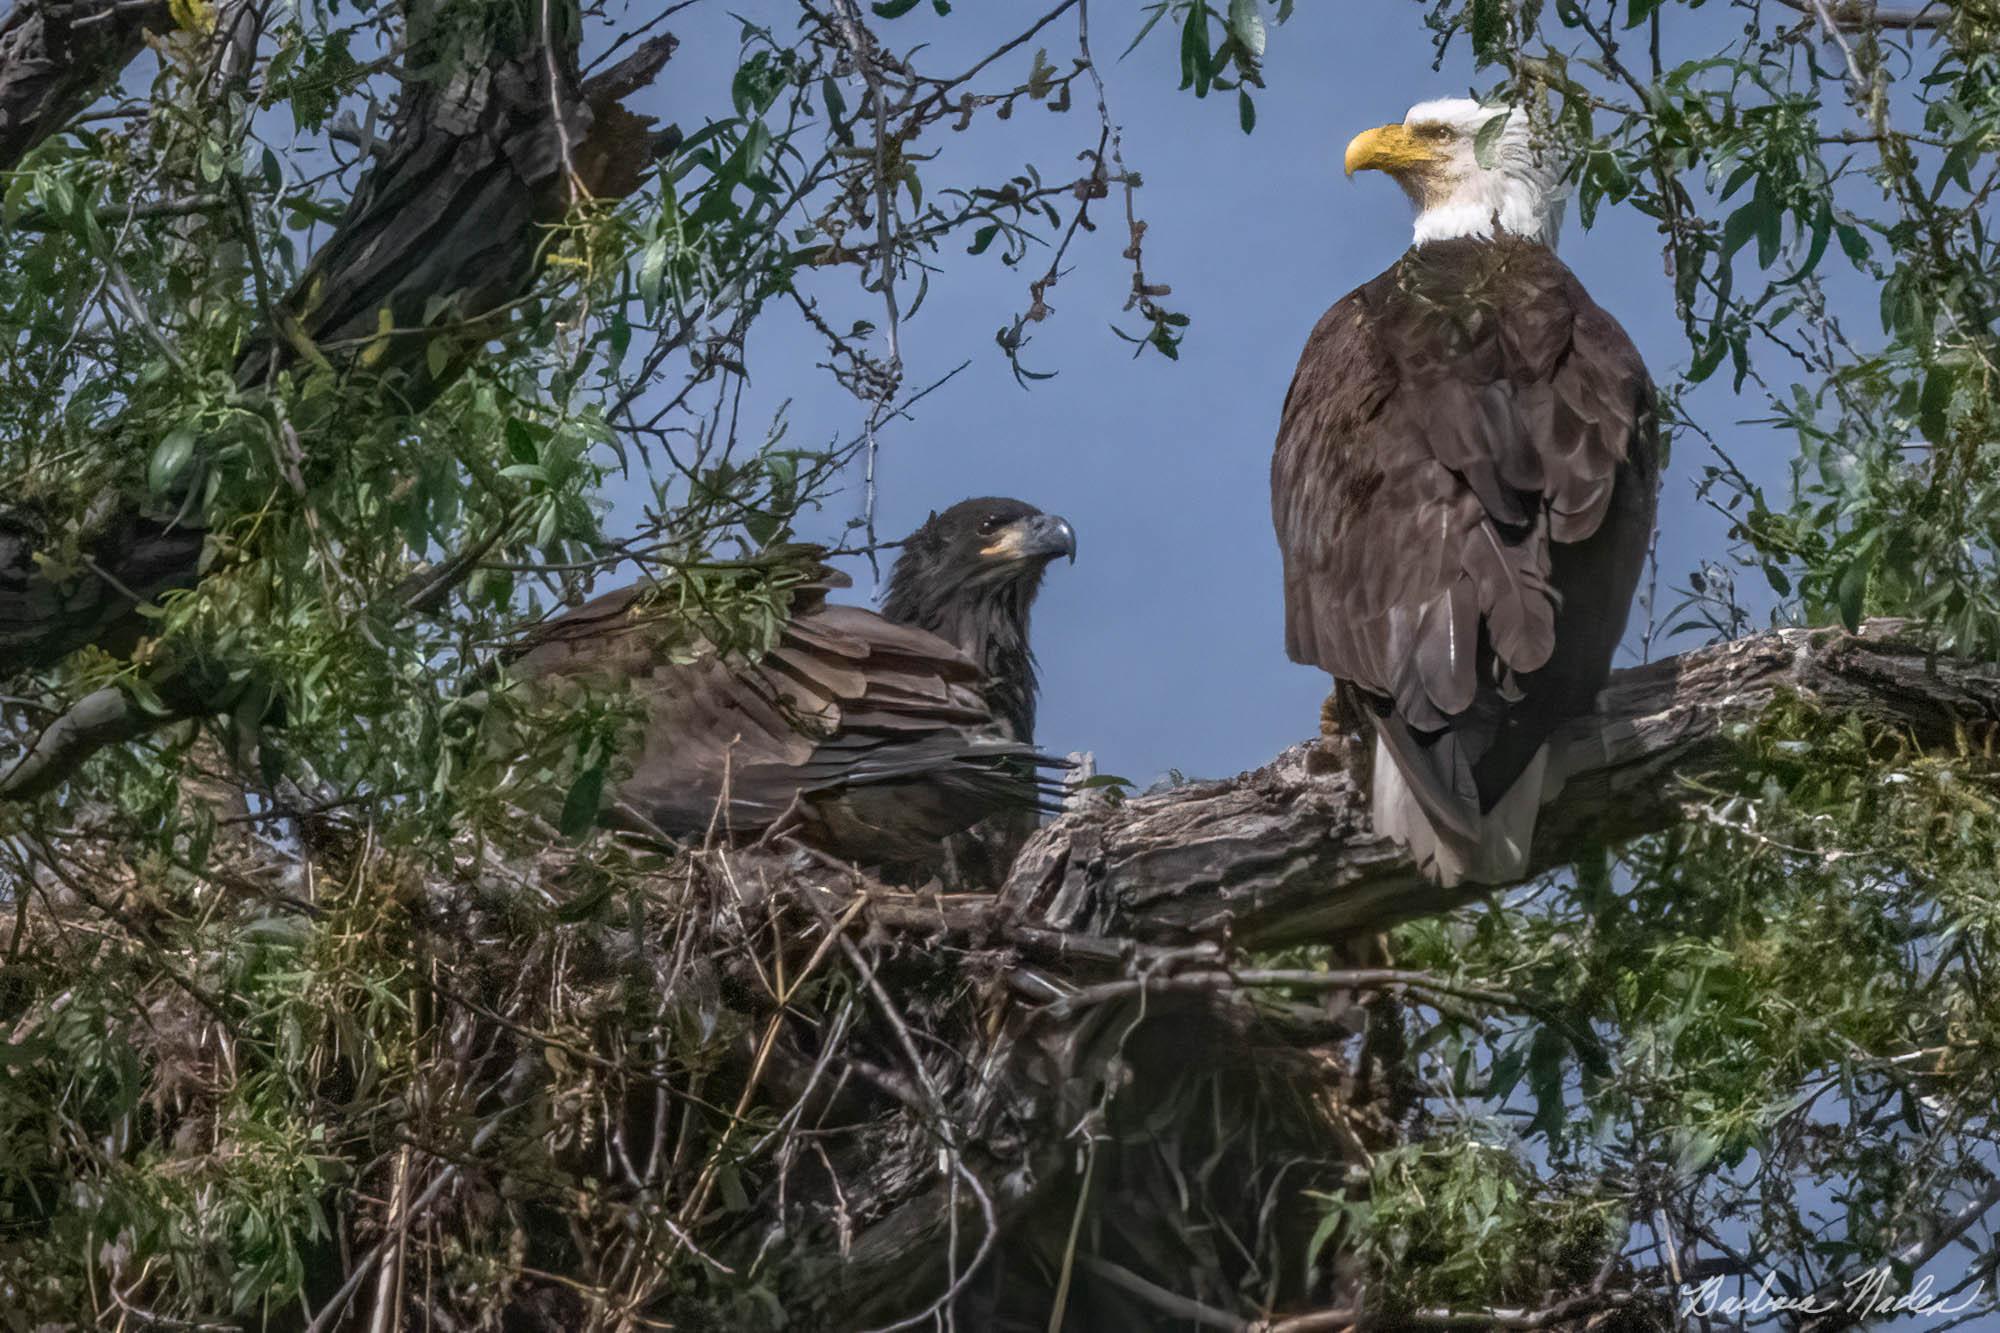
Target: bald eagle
(880,739)
(1463,490)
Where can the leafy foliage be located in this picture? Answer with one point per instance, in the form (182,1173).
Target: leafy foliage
(212,1057)
(1816,153)
(1789,1064)
(335,978)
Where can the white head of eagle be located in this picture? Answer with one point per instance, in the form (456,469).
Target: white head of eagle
(1433,155)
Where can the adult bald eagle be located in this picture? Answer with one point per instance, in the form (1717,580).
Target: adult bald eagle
(1463,491)
(875,738)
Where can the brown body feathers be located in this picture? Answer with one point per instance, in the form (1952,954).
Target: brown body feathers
(1463,491)
(872,739)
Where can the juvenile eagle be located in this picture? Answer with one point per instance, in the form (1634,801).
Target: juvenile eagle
(1463,491)
(875,738)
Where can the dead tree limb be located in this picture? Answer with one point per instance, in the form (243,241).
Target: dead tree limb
(56,56)
(1144,1109)
(1286,853)
(448,228)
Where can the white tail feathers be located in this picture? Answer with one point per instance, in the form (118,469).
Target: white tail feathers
(1498,855)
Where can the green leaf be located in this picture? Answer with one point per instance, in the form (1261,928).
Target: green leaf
(1851,587)
(1822,231)
(521,446)
(652,271)
(1741,226)
(983,238)
(1698,1148)
(1159,12)
(1770,227)
(16,197)
(170,459)
(1852,242)
(1195,72)
(579,810)
(1246,111)
(1545,1066)
(1041,75)
(893,9)
(1489,30)
(58,197)
(1934,404)
(1487,141)
(1709,357)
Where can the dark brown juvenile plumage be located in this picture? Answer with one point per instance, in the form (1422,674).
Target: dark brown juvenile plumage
(871,739)
(1463,491)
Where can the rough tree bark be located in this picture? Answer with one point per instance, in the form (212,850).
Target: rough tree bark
(446,229)
(1120,935)
(1286,853)
(1112,953)
(58,55)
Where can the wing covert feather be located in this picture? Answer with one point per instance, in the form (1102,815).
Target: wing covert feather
(1463,493)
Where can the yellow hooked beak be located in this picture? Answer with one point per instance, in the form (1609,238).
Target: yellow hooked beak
(1390,148)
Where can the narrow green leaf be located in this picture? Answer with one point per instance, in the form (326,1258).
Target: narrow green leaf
(521,442)
(1486,143)
(1853,243)
(1195,67)
(1740,227)
(1851,588)
(579,810)
(1934,405)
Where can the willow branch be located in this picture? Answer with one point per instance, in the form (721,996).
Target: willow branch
(1287,853)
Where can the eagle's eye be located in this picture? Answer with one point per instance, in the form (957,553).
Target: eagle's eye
(991,524)
(1433,131)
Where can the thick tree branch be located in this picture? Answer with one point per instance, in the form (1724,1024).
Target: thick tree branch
(57,55)
(1115,919)
(449,226)
(1857,15)
(1286,853)
(102,718)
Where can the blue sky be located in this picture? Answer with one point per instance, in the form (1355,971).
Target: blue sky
(1163,648)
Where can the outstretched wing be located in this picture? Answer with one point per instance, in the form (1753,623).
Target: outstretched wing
(1463,494)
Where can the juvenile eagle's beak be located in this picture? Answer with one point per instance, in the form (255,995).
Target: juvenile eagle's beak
(1390,148)
(1038,537)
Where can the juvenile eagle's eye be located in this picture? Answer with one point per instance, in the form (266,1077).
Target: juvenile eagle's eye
(991,524)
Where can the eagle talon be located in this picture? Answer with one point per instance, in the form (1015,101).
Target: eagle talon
(1344,741)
